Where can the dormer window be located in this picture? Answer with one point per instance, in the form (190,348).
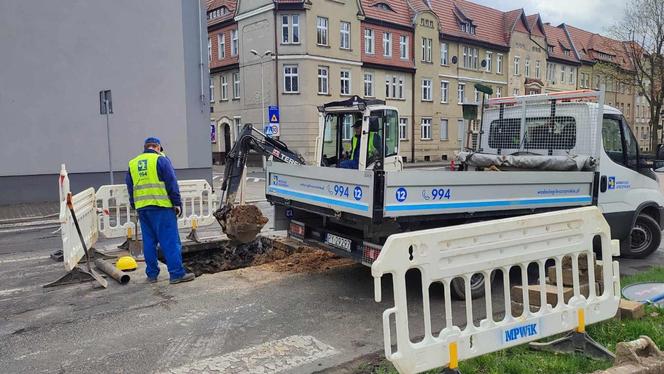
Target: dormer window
(468,28)
(217,13)
(550,49)
(383,6)
(566,52)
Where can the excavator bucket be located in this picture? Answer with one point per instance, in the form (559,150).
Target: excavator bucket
(242,223)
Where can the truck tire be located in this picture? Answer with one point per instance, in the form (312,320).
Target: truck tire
(476,286)
(644,238)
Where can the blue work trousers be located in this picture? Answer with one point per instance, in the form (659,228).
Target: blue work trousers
(160,226)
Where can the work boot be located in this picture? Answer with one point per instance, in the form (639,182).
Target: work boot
(185,278)
(152,280)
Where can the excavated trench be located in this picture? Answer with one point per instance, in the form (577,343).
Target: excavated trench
(272,253)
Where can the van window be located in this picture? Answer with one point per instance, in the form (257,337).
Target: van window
(612,140)
(631,147)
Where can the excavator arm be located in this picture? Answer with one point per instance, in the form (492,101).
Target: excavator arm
(249,139)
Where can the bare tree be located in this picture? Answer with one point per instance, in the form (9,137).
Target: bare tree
(642,29)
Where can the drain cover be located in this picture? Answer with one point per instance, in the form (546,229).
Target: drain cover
(645,292)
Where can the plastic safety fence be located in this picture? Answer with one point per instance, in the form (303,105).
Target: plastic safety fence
(452,254)
(86,213)
(117,218)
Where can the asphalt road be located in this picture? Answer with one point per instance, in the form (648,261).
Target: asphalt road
(247,320)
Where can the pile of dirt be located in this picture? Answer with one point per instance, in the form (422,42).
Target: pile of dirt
(305,259)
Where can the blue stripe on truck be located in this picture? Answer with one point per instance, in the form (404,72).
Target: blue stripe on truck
(319,199)
(488,204)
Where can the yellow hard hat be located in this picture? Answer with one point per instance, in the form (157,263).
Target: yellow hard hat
(126,263)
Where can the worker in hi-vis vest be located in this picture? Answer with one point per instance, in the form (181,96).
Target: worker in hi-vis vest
(373,146)
(154,193)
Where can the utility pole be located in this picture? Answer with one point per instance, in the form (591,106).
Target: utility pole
(267,53)
(106,108)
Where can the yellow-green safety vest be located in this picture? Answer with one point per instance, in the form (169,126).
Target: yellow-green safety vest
(372,148)
(148,189)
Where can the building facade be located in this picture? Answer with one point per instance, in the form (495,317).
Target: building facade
(422,57)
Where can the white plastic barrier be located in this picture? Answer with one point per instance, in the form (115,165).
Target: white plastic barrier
(86,214)
(198,204)
(444,254)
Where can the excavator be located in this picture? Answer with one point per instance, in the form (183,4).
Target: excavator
(243,222)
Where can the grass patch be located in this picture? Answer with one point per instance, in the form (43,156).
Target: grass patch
(521,359)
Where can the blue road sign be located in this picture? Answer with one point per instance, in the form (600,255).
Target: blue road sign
(273,114)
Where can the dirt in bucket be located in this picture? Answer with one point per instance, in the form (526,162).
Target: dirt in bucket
(246,215)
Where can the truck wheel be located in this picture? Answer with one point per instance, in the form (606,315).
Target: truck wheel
(644,238)
(476,286)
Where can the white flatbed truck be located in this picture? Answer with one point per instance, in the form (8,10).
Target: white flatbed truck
(533,154)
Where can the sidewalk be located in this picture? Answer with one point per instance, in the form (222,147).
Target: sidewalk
(28,211)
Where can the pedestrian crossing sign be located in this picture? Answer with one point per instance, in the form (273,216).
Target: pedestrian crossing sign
(271,129)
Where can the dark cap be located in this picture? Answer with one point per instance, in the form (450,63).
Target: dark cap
(152,140)
(357,123)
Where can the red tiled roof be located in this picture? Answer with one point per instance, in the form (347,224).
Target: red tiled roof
(535,24)
(231,5)
(489,22)
(418,5)
(595,47)
(288,1)
(400,13)
(557,38)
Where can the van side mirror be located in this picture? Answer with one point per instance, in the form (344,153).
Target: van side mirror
(659,153)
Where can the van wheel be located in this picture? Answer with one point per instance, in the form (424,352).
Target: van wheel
(644,238)
(458,287)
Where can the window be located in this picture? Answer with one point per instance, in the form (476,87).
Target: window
(477,96)
(468,27)
(488,57)
(517,68)
(444,54)
(209,50)
(597,80)
(237,121)
(470,57)
(426,49)
(236,85)
(515,92)
(562,74)
(323,80)
(527,68)
(461,128)
(221,46)
(461,93)
(347,127)
(368,85)
(234,43)
(443,129)
(499,63)
(425,129)
(369,41)
(403,128)
(344,35)
(400,88)
(290,29)
(291,80)
(571,75)
(224,88)
(345,82)
(550,72)
(612,140)
(538,73)
(499,92)
(211,90)
(444,91)
(387,44)
(321,30)
(403,47)
(426,89)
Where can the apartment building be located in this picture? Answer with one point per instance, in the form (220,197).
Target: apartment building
(388,67)
(562,65)
(423,57)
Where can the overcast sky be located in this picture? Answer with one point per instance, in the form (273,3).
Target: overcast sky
(592,15)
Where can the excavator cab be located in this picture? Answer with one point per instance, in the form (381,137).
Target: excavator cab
(358,134)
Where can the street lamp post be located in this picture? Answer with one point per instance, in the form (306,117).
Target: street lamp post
(267,53)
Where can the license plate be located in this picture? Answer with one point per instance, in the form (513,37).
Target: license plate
(337,241)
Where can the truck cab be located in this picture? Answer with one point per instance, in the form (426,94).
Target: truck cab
(358,134)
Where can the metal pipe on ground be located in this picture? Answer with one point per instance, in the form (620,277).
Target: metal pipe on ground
(122,277)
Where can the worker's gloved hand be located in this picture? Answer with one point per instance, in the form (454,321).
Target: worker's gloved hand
(178,211)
